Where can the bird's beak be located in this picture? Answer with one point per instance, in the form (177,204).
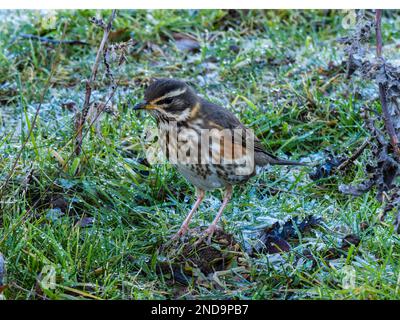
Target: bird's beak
(140,106)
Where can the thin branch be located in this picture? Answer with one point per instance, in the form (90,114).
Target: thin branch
(90,82)
(354,156)
(378,28)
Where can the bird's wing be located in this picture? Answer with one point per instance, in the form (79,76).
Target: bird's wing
(219,117)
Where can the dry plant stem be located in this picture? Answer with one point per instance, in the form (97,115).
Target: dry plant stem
(382,90)
(46,87)
(354,156)
(90,82)
(29,211)
(378,29)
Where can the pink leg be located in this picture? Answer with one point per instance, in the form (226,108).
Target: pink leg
(185,225)
(211,229)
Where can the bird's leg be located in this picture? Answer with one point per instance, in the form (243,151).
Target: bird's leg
(185,225)
(211,228)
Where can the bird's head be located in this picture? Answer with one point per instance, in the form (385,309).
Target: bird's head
(170,99)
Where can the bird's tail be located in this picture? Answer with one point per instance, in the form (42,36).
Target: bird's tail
(281,162)
(265,158)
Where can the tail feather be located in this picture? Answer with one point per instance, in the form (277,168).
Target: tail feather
(265,158)
(281,162)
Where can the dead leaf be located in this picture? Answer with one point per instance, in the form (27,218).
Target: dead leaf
(350,240)
(69,105)
(275,244)
(347,241)
(356,190)
(186,42)
(327,168)
(59,203)
(119,35)
(85,222)
(275,239)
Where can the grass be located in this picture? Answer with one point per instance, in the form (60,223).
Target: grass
(100,220)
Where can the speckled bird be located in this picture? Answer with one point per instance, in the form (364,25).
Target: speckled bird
(226,161)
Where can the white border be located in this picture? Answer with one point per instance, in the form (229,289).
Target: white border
(203,4)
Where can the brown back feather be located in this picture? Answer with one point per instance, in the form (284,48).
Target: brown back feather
(217,116)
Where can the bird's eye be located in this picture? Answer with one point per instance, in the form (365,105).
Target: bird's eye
(165,101)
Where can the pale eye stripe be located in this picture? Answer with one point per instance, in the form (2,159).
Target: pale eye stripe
(171,94)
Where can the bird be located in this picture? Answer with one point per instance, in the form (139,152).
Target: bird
(205,142)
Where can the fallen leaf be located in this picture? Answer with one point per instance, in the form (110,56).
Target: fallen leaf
(119,35)
(350,240)
(185,42)
(347,241)
(85,222)
(59,203)
(327,168)
(356,190)
(275,244)
(69,105)
(274,239)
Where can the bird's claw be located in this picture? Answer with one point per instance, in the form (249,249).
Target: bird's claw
(208,233)
(181,232)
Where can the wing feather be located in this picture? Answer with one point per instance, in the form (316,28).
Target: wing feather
(219,117)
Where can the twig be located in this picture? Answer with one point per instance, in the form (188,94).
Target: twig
(378,28)
(354,156)
(90,82)
(382,88)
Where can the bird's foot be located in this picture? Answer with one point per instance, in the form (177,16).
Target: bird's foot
(208,233)
(181,232)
